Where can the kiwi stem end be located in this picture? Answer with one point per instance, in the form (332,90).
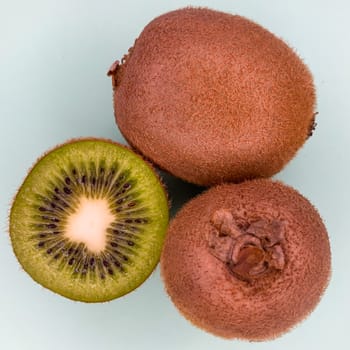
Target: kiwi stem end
(248,253)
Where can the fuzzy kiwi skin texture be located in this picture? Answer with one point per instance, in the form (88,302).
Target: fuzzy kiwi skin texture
(212,97)
(218,299)
(38,220)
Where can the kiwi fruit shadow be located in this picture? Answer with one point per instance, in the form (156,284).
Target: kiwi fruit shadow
(179,191)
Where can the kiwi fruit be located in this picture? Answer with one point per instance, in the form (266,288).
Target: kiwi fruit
(212,97)
(89,220)
(247,261)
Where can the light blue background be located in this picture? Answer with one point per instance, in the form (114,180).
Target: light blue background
(54,56)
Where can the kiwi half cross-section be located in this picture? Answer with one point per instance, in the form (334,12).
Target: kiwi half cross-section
(89,220)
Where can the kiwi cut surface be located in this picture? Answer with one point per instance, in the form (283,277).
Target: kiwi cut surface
(247,260)
(221,97)
(89,220)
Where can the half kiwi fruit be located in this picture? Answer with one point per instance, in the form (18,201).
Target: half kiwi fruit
(247,260)
(89,220)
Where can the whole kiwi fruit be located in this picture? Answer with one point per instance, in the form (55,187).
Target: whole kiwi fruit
(89,220)
(248,260)
(212,97)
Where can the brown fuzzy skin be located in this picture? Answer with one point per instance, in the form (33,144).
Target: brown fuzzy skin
(211,97)
(208,295)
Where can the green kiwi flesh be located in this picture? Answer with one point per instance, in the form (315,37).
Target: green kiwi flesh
(89,220)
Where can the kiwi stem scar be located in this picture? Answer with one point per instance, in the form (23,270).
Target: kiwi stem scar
(114,67)
(313,125)
(248,253)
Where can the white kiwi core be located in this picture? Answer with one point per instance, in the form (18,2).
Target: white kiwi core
(89,224)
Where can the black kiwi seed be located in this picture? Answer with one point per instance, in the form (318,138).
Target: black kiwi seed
(70,251)
(67,190)
(48,218)
(51,226)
